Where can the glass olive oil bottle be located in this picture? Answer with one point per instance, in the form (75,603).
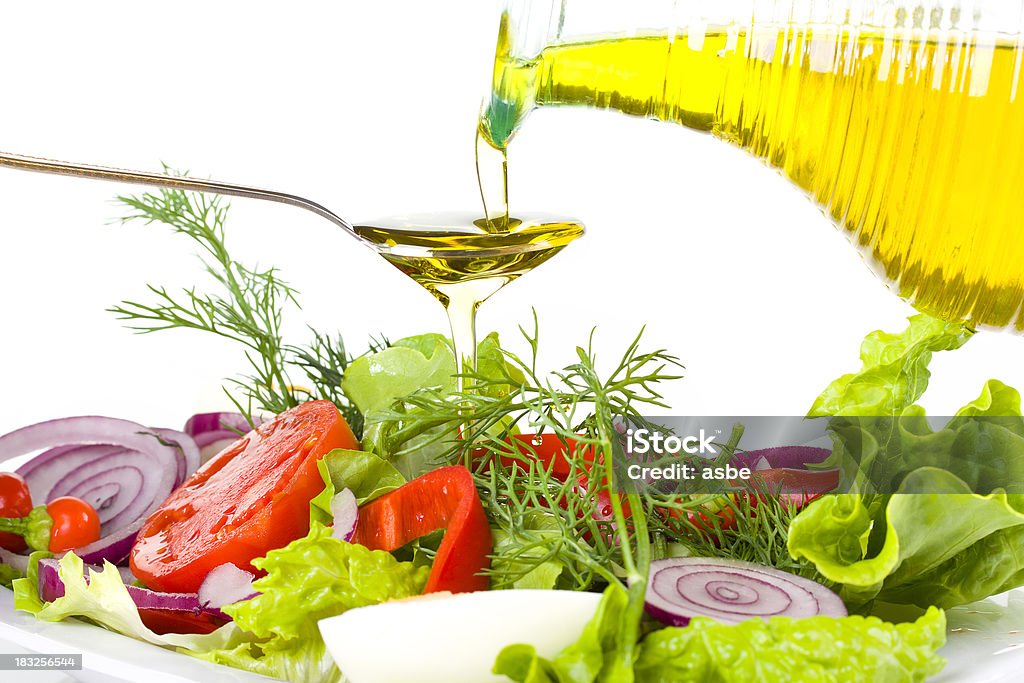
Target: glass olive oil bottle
(910,135)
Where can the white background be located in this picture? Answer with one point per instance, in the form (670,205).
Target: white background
(369,108)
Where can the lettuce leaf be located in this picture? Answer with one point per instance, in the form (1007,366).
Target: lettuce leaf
(942,549)
(377,382)
(588,659)
(310,579)
(320,576)
(847,650)
(492,365)
(818,649)
(951,531)
(894,372)
(274,633)
(104,600)
(981,446)
(8,574)
(365,474)
(302,660)
(26,589)
(374,381)
(512,553)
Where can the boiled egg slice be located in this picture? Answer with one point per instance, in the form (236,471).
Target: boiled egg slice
(452,638)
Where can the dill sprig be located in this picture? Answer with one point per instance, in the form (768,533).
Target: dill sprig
(547,518)
(245,305)
(703,526)
(580,407)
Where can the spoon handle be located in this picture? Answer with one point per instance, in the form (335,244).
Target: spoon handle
(26,163)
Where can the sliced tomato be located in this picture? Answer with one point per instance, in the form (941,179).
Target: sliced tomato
(251,498)
(172,621)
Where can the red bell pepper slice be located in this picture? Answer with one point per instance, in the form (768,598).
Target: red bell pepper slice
(445,498)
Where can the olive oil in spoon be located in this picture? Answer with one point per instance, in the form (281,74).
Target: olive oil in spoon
(462,260)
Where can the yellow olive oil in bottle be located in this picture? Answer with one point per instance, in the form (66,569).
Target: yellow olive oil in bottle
(911,140)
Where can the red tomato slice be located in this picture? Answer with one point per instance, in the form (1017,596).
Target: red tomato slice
(251,498)
(167,621)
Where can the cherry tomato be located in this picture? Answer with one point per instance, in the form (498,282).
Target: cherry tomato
(75,523)
(251,498)
(15,501)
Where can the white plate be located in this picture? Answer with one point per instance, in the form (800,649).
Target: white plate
(109,657)
(985,645)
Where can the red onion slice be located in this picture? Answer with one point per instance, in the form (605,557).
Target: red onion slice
(213,432)
(51,587)
(225,585)
(784,470)
(731,591)
(186,445)
(788,457)
(346,515)
(121,468)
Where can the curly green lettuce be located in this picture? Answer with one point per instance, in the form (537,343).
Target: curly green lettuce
(944,549)
(310,579)
(104,599)
(818,649)
(953,530)
(814,650)
(894,371)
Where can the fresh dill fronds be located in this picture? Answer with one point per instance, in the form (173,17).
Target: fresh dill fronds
(742,526)
(579,406)
(547,518)
(245,305)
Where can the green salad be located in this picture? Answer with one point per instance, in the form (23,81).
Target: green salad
(387,483)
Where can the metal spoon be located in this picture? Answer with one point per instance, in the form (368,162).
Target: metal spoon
(25,163)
